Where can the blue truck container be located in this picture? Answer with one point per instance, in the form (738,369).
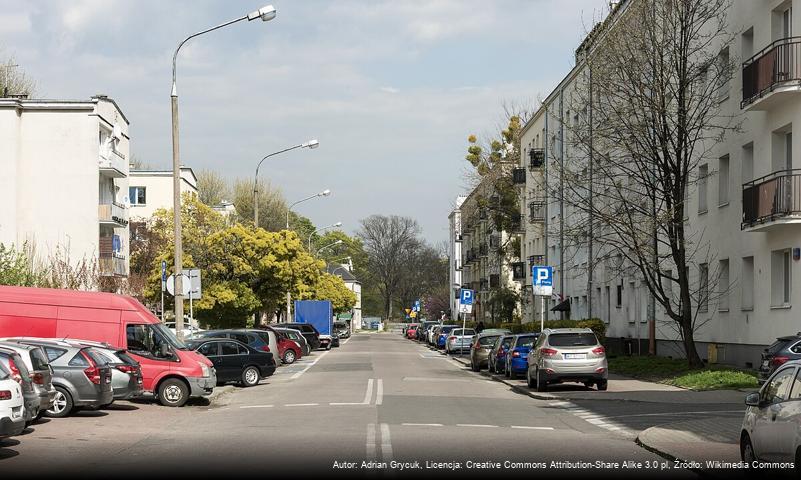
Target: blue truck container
(319,313)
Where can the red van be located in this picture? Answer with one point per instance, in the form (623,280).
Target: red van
(169,369)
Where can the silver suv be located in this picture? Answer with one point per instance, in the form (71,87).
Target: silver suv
(567,355)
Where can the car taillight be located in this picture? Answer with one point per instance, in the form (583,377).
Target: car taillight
(37,378)
(451,338)
(15,375)
(515,354)
(548,352)
(776,361)
(264,348)
(129,369)
(599,350)
(5,394)
(91,372)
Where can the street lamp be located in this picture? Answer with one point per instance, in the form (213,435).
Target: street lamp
(311,144)
(266,13)
(328,246)
(324,193)
(338,224)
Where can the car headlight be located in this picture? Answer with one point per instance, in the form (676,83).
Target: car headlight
(205,369)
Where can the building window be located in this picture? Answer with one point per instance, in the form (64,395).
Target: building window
(780,278)
(703,173)
(619,296)
(724,74)
(136,195)
(723,286)
(703,287)
(723,181)
(747,173)
(747,294)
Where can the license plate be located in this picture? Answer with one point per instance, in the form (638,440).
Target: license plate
(575,356)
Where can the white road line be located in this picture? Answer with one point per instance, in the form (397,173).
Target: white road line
(301,404)
(257,406)
(475,425)
(386,443)
(379,393)
(345,403)
(521,427)
(671,414)
(371,441)
(421,424)
(297,375)
(368,395)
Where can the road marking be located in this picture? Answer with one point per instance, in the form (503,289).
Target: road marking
(521,427)
(671,414)
(379,393)
(386,443)
(435,379)
(345,403)
(368,395)
(297,375)
(593,418)
(257,406)
(421,424)
(371,441)
(475,425)
(301,404)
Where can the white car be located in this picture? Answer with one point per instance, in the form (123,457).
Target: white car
(12,418)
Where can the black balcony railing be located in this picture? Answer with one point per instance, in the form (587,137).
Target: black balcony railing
(777,65)
(536,260)
(516,223)
(518,271)
(536,158)
(519,176)
(772,197)
(536,211)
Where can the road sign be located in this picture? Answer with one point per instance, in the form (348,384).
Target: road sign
(466,297)
(163,271)
(171,285)
(408,310)
(196,288)
(417,305)
(413,314)
(542,280)
(465,308)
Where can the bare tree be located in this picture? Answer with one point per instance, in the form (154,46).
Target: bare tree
(646,117)
(213,188)
(14,80)
(272,206)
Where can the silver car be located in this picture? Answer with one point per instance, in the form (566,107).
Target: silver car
(126,373)
(771,429)
(40,372)
(459,340)
(567,355)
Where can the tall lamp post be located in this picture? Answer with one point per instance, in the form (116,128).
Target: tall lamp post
(324,193)
(266,13)
(311,144)
(332,244)
(335,225)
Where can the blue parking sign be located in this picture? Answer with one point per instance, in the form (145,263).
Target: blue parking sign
(542,276)
(466,296)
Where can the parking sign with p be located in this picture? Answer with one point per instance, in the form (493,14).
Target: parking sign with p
(466,300)
(542,280)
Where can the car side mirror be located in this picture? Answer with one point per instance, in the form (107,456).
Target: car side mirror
(752,399)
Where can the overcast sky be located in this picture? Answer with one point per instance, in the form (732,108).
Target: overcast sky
(390,88)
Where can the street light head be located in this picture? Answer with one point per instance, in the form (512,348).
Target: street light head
(313,143)
(325,193)
(338,224)
(266,13)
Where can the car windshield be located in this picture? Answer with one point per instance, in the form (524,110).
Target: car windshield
(526,341)
(152,339)
(572,340)
(465,332)
(777,346)
(446,329)
(486,341)
(4,373)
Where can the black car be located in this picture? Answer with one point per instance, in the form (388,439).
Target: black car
(234,361)
(780,352)
(334,339)
(308,331)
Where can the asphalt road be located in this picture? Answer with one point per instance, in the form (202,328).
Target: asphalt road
(379,398)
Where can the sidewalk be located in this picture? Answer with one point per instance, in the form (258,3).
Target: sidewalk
(702,440)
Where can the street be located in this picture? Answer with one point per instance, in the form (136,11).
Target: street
(378,398)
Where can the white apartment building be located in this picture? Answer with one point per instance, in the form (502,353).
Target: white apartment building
(746,208)
(64,182)
(151,190)
(455,254)
(344,272)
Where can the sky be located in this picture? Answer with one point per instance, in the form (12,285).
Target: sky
(391,89)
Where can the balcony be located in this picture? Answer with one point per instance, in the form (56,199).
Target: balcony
(772,74)
(519,176)
(536,260)
(483,250)
(536,211)
(113,214)
(516,223)
(112,266)
(495,241)
(772,200)
(495,280)
(113,164)
(536,158)
(519,271)
(484,285)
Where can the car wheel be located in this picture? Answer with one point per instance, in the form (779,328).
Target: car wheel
(62,404)
(289,357)
(250,377)
(173,393)
(602,385)
(747,450)
(542,384)
(529,381)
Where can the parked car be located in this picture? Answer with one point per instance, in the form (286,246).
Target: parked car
(783,350)
(126,373)
(80,376)
(19,373)
(342,329)
(459,340)
(12,405)
(411,332)
(434,335)
(444,331)
(771,429)
(567,355)
(235,361)
(334,338)
(264,339)
(496,359)
(479,351)
(308,331)
(517,357)
(289,351)
(296,337)
(422,331)
(41,373)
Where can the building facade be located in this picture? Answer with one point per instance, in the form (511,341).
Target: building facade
(65,154)
(455,254)
(151,190)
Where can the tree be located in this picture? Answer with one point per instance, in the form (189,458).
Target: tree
(386,240)
(212,187)
(17,268)
(14,80)
(272,206)
(648,116)
(331,287)
(424,271)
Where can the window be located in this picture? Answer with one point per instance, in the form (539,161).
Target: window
(724,73)
(703,287)
(572,340)
(136,195)
(53,353)
(747,43)
(78,361)
(723,181)
(747,172)
(151,340)
(747,293)
(795,391)
(780,278)
(777,389)
(703,173)
(209,349)
(229,348)
(723,286)
(240,337)
(619,296)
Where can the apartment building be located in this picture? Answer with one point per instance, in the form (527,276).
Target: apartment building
(344,271)
(455,254)
(744,210)
(151,190)
(64,182)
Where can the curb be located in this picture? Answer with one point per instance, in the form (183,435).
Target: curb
(703,472)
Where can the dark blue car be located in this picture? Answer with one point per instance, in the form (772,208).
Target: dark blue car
(517,358)
(443,335)
(497,356)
